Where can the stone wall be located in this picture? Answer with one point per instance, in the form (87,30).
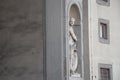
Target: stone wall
(21,40)
(104,53)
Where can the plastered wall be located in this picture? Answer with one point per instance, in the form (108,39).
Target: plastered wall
(21,40)
(99,52)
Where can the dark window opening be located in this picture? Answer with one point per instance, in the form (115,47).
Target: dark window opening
(105,73)
(103,31)
(105,0)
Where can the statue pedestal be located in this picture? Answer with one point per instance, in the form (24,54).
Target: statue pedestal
(75,77)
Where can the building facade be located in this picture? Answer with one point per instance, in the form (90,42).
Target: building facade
(59,40)
(104,39)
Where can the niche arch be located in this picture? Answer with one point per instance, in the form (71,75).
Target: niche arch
(74,10)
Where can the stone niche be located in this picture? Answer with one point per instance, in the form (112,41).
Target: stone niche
(75,59)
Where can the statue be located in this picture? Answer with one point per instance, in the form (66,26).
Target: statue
(73,47)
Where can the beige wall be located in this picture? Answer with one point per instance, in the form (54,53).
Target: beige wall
(99,52)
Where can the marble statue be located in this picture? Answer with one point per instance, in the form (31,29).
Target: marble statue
(73,47)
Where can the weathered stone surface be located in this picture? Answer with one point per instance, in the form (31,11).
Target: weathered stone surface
(21,40)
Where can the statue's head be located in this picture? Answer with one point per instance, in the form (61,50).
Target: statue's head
(72,21)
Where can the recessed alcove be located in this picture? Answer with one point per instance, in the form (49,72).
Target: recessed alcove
(74,12)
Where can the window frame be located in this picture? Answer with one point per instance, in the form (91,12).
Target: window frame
(102,39)
(107,66)
(103,3)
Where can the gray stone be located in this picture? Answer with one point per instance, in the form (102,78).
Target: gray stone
(21,40)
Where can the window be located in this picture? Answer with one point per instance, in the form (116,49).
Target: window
(105,72)
(103,30)
(104,2)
